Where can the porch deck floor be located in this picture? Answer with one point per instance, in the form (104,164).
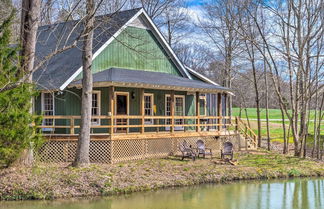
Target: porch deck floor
(147,135)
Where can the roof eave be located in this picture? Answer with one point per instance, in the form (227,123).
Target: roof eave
(204,78)
(151,86)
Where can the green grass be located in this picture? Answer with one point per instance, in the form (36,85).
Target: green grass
(273,113)
(276,130)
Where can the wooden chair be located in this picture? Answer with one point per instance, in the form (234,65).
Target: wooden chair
(202,150)
(227,150)
(186,151)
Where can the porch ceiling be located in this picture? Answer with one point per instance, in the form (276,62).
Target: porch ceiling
(147,79)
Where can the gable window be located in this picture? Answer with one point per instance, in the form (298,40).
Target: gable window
(48,109)
(95,109)
(148,107)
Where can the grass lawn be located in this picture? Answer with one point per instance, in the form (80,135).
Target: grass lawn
(276,131)
(252,113)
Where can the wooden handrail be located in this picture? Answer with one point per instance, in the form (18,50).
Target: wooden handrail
(246,130)
(186,121)
(132,117)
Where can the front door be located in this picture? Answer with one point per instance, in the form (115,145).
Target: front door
(121,109)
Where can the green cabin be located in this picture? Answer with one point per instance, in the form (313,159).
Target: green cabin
(141,90)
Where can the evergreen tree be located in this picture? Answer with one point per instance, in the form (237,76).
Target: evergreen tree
(16,131)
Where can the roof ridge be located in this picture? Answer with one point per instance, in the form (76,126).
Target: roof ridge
(97,16)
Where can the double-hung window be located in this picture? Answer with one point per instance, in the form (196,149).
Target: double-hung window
(95,109)
(148,107)
(48,109)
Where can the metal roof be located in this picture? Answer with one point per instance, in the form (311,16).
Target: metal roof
(61,69)
(139,78)
(57,70)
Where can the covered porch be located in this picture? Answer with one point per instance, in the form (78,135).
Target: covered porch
(136,115)
(128,102)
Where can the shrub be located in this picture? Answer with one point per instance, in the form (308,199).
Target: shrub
(16,130)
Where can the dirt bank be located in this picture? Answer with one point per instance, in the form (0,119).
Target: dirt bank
(50,181)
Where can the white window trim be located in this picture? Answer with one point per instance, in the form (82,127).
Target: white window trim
(43,108)
(149,121)
(176,128)
(98,92)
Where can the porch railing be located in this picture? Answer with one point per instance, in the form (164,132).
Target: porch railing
(246,130)
(137,124)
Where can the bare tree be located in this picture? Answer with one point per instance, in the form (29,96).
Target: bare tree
(266,87)
(154,8)
(252,56)
(219,26)
(297,25)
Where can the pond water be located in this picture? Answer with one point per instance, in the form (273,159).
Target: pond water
(286,194)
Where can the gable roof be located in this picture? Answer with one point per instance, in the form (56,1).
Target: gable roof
(60,70)
(139,78)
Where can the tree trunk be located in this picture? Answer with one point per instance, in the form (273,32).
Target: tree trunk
(266,86)
(28,34)
(285,148)
(319,152)
(257,101)
(267,106)
(30,13)
(315,123)
(287,140)
(257,97)
(82,155)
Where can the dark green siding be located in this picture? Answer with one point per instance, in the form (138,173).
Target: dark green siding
(191,109)
(38,105)
(69,103)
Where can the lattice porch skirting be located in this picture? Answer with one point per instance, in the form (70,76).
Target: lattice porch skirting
(113,151)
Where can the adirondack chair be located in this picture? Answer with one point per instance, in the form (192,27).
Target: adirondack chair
(202,150)
(187,152)
(227,150)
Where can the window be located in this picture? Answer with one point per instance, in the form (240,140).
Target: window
(95,109)
(202,105)
(168,108)
(179,108)
(148,107)
(48,109)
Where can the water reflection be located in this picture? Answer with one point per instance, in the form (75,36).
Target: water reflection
(292,194)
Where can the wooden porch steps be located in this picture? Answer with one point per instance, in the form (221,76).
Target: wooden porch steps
(247,135)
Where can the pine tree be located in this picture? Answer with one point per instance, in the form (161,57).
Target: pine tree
(16,132)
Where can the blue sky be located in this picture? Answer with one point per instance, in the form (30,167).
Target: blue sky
(191,3)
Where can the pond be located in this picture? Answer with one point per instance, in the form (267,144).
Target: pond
(285,194)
